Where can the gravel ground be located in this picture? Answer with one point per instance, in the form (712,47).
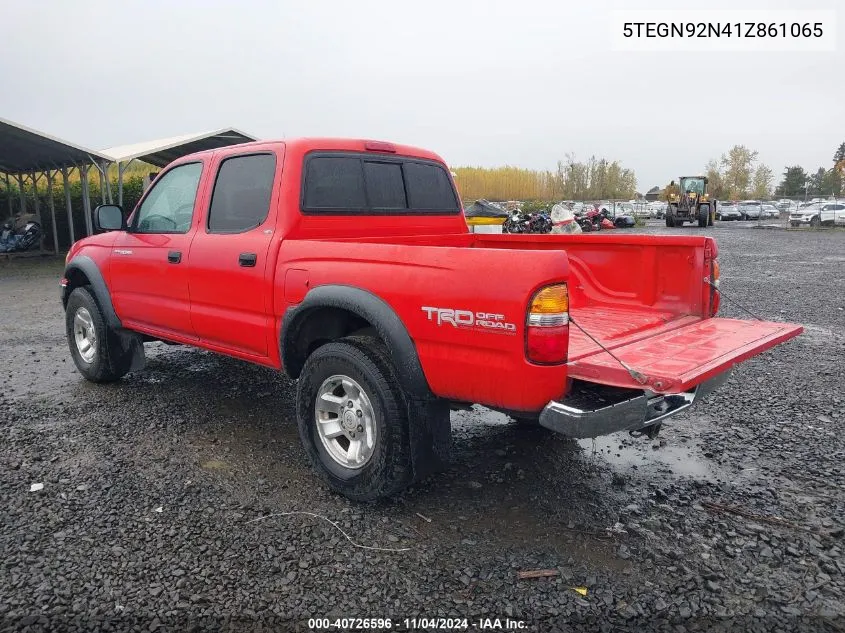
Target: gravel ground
(155,512)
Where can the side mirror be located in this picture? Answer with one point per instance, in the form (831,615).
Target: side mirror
(109,217)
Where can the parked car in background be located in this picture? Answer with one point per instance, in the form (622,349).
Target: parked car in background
(819,214)
(657,209)
(728,212)
(750,209)
(769,211)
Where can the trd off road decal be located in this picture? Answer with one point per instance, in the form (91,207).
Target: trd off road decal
(481,321)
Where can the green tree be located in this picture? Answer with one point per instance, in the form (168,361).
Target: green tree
(839,155)
(831,183)
(794,179)
(738,166)
(715,180)
(816,182)
(762,183)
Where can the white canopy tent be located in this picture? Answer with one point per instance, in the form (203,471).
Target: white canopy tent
(29,154)
(163,151)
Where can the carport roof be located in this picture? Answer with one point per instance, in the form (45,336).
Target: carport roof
(163,151)
(23,150)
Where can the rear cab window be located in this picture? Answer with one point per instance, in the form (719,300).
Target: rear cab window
(344,183)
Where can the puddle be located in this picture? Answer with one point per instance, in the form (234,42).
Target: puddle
(622,454)
(619,452)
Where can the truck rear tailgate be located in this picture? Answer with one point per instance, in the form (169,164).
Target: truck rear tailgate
(678,359)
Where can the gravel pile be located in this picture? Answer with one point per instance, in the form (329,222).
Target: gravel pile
(155,510)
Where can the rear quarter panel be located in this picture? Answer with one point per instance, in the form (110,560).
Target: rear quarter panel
(468,364)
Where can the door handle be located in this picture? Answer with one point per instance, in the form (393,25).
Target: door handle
(174,257)
(247,259)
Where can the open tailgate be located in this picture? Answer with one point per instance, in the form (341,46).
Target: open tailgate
(676,360)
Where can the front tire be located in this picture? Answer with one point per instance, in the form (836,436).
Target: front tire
(362,451)
(815,222)
(96,349)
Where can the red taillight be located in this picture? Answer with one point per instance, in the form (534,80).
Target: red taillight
(380,146)
(547,327)
(548,345)
(715,297)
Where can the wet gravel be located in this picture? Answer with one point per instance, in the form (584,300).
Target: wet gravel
(155,512)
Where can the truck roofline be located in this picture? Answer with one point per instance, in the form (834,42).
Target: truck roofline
(303,145)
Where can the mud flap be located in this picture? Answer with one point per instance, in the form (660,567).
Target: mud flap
(132,344)
(430,435)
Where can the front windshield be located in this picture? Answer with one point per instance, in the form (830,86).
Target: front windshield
(693,185)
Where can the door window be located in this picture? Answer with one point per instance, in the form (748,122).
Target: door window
(242,191)
(169,206)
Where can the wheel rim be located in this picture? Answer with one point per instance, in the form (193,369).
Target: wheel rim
(85,335)
(345,421)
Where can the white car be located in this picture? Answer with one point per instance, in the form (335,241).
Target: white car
(769,211)
(819,214)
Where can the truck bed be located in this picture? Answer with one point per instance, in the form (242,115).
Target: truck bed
(643,297)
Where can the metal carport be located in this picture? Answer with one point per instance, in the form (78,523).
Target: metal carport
(28,154)
(163,151)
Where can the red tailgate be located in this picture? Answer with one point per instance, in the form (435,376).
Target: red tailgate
(679,359)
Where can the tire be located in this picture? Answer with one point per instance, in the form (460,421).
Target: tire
(386,467)
(815,222)
(703,216)
(104,359)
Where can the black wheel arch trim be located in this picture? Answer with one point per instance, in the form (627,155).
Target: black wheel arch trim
(89,268)
(369,307)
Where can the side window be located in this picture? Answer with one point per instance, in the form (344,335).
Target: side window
(429,188)
(169,206)
(385,189)
(242,191)
(334,182)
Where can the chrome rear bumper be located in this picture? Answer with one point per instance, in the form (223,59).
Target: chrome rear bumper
(628,415)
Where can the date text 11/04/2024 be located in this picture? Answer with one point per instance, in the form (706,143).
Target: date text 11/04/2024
(415,624)
(727,29)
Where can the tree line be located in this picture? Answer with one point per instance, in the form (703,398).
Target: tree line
(738,174)
(594,179)
(821,183)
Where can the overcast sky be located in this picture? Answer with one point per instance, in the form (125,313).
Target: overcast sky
(480,82)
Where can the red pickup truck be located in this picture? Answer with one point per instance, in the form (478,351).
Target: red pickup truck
(348,264)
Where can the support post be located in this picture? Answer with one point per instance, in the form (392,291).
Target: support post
(101,170)
(121,170)
(66,187)
(35,196)
(108,183)
(86,199)
(52,204)
(21,194)
(9,196)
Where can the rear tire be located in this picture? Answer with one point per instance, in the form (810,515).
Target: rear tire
(96,349)
(388,467)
